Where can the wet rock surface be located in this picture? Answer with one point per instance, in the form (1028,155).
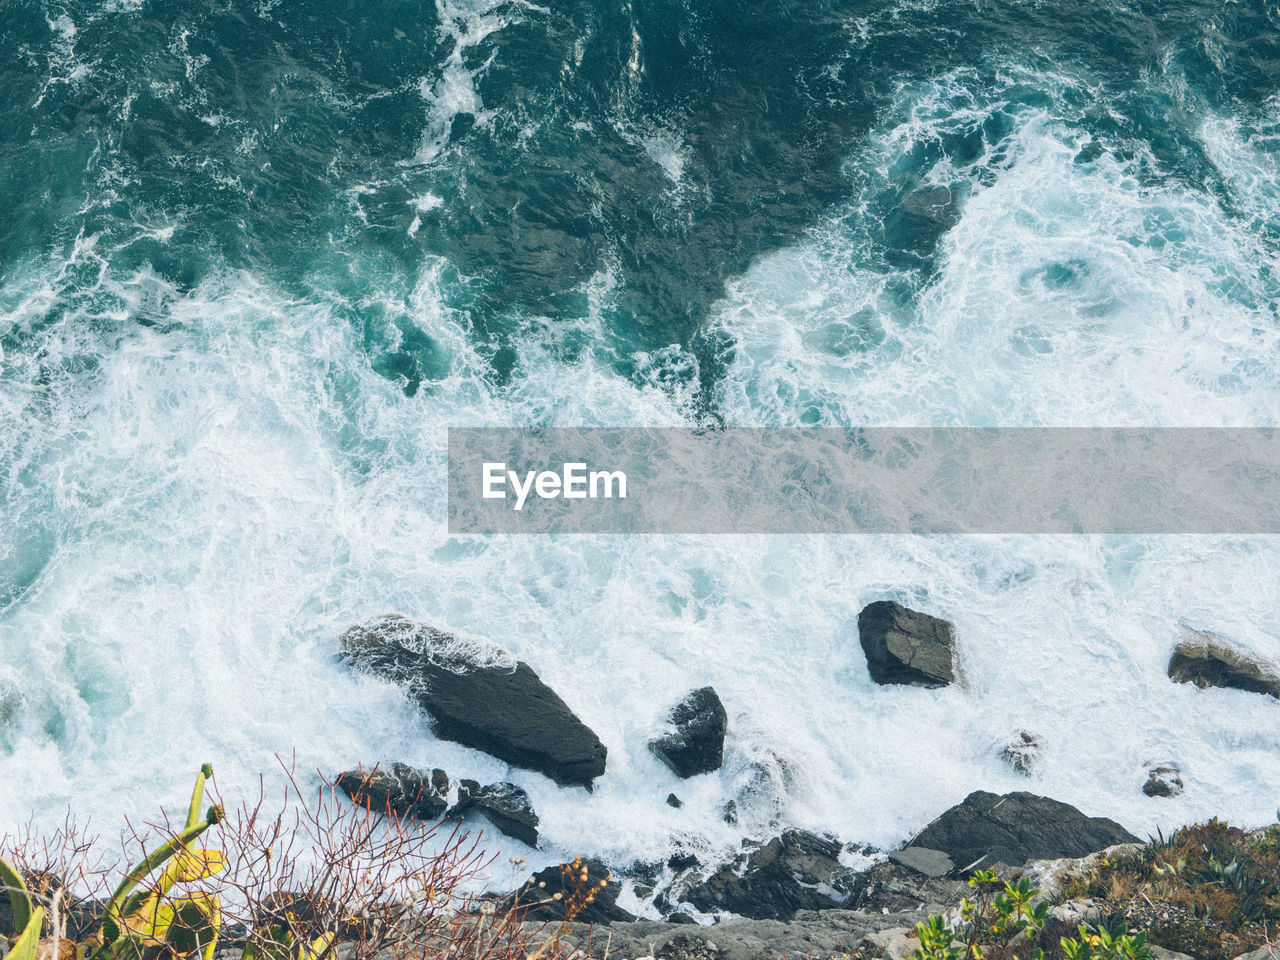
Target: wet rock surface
(479,696)
(905,646)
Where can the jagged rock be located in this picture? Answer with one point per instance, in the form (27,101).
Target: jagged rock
(929,863)
(504,805)
(792,872)
(697,743)
(891,887)
(905,646)
(1022,752)
(401,790)
(1208,660)
(538,893)
(479,696)
(674,801)
(1262,953)
(1017,827)
(1163,780)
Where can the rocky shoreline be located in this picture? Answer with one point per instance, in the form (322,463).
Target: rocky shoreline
(792,894)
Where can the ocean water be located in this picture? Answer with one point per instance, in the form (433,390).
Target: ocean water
(256,257)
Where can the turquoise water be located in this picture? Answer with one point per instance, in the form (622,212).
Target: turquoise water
(256,258)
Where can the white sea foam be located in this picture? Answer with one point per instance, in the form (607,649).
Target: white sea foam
(196,511)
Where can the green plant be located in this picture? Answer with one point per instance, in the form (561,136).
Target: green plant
(1104,944)
(999,914)
(1003,914)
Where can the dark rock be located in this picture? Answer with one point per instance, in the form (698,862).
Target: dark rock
(1163,781)
(922,860)
(679,917)
(573,881)
(904,646)
(789,873)
(1022,752)
(504,805)
(682,861)
(401,791)
(674,801)
(1208,660)
(1016,828)
(697,743)
(478,696)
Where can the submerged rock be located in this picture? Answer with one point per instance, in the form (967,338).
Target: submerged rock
(401,791)
(905,646)
(1163,780)
(985,829)
(697,743)
(479,696)
(796,871)
(761,787)
(504,805)
(574,882)
(1022,752)
(1208,660)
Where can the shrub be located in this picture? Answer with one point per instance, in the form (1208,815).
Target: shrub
(284,885)
(1004,917)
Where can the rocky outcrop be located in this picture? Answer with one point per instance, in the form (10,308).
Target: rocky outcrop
(1208,660)
(796,871)
(574,882)
(1012,829)
(479,696)
(905,646)
(504,805)
(696,745)
(400,791)
(1163,780)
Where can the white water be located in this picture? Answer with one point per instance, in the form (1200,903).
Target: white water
(197,518)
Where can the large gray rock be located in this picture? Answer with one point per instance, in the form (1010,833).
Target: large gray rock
(696,744)
(922,860)
(1208,660)
(478,695)
(1017,827)
(796,871)
(905,646)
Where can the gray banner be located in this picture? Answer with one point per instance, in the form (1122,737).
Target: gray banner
(956,480)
